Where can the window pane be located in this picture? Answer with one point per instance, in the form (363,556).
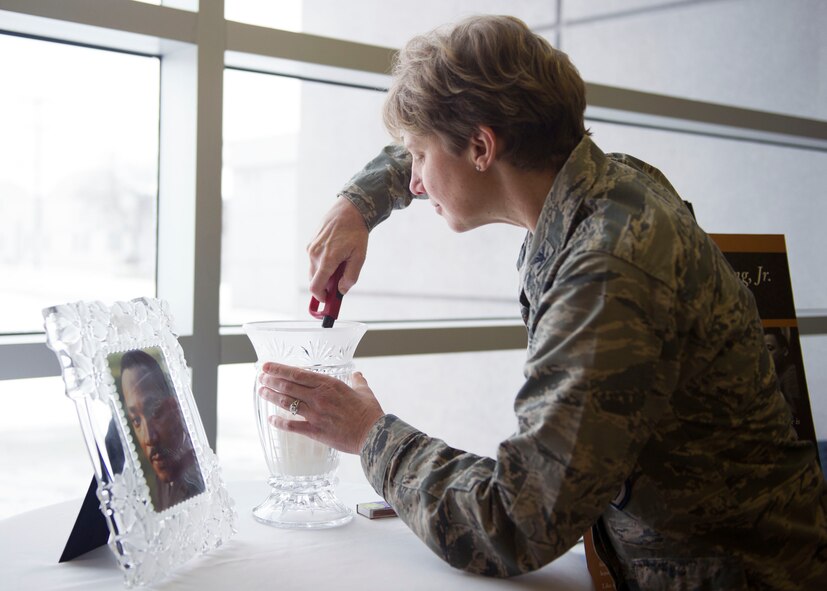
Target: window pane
(814,349)
(760,54)
(44,458)
(79,147)
(289,147)
(379,22)
(739,187)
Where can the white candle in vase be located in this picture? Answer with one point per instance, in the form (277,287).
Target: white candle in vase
(298,455)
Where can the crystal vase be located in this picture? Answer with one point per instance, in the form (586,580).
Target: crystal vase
(302,470)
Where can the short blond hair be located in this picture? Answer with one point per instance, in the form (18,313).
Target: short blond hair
(494,71)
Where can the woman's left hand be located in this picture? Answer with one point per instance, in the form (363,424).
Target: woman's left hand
(335,414)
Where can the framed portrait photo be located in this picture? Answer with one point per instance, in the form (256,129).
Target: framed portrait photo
(158,481)
(155,420)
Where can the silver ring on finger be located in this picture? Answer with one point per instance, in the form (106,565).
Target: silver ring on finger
(294,406)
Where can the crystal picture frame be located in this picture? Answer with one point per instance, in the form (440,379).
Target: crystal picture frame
(123,367)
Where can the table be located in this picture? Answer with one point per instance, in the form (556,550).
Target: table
(364,554)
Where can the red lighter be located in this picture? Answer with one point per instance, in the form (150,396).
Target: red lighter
(332,303)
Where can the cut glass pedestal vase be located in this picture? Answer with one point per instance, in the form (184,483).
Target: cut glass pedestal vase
(302,471)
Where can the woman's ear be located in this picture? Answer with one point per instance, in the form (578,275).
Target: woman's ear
(483,148)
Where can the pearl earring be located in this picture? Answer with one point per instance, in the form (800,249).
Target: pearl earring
(478,168)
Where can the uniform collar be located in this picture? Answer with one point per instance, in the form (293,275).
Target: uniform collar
(573,182)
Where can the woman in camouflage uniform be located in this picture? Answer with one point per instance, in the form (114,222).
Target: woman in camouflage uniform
(650,405)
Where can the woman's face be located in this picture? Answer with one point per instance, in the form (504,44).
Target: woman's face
(450,181)
(156,421)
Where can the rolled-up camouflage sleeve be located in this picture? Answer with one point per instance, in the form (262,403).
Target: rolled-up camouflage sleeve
(382,185)
(597,376)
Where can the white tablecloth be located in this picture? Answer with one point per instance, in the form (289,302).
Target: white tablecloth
(362,555)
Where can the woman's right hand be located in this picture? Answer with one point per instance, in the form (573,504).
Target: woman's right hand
(343,237)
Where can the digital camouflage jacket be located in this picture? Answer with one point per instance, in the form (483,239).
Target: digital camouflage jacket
(646,373)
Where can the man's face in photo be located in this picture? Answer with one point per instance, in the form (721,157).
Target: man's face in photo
(156,421)
(775,348)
